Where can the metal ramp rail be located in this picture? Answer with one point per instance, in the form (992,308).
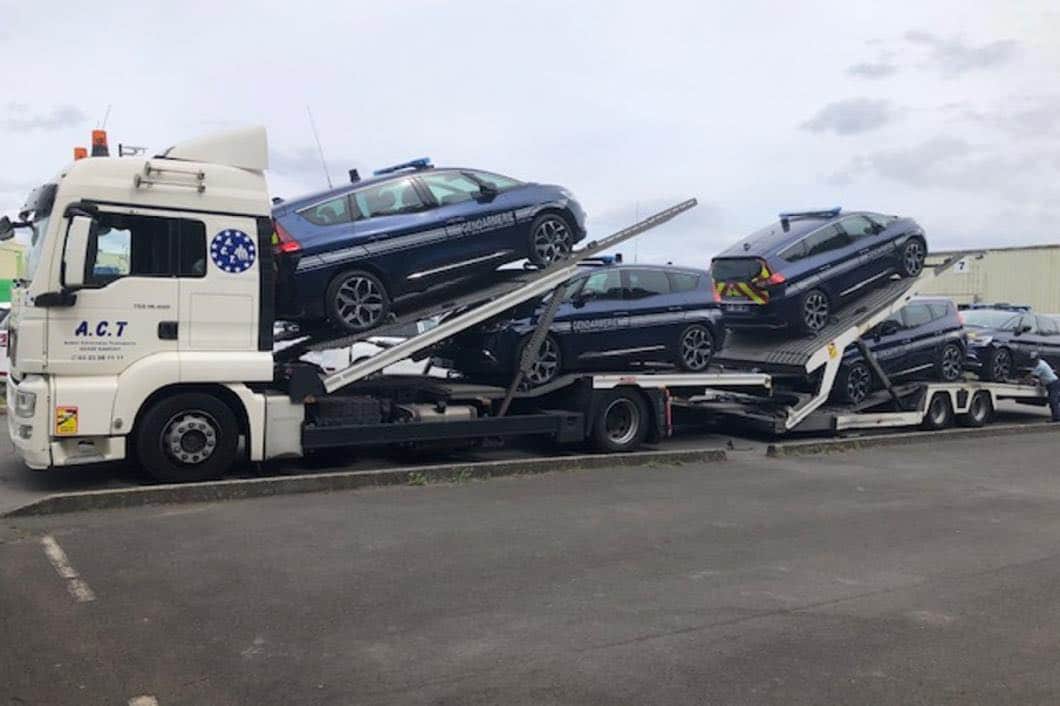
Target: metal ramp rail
(483,304)
(825,350)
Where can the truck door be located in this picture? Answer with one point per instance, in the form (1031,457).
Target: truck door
(123,313)
(219,286)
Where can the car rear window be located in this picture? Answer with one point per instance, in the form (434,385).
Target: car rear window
(1046,326)
(735,269)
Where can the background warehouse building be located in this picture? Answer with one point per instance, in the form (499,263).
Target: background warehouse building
(11,254)
(1017,275)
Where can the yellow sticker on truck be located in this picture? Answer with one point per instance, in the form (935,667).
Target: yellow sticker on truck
(66,420)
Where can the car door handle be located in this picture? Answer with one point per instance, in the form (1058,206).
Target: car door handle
(455,221)
(674,308)
(620,313)
(864,251)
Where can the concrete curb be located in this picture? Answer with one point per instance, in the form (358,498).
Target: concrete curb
(347,480)
(807,448)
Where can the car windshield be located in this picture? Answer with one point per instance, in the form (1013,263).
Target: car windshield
(988,318)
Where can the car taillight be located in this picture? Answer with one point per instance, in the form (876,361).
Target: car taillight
(284,241)
(960,318)
(3,341)
(766,278)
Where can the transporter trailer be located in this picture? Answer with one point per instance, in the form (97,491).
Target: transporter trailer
(144,329)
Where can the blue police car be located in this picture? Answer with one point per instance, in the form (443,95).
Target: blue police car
(798,271)
(612,316)
(353,254)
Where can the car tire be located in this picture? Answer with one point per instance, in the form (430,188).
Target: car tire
(939,413)
(548,365)
(187,437)
(551,239)
(815,310)
(950,365)
(854,383)
(356,301)
(997,365)
(980,410)
(911,263)
(695,348)
(621,422)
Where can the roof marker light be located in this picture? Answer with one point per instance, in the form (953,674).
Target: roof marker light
(99,144)
(80,153)
(417,164)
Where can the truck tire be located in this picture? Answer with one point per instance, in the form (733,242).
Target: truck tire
(621,422)
(939,413)
(980,410)
(190,436)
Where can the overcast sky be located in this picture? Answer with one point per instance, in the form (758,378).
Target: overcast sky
(945,111)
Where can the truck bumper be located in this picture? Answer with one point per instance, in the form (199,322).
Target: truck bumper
(29,431)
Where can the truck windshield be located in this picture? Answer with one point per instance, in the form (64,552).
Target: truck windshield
(38,211)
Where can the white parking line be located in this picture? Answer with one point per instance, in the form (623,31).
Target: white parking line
(74,583)
(143,701)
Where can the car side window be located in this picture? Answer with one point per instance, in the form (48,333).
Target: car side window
(682,281)
(1010,325)
(603,285)
(497,181)
(328,213)
(388,199)
(858,227)
(939,310)
(916,315)
(451,187)
(646,283)
(1029,323)
(1048,327)
(825,240)
(794,252)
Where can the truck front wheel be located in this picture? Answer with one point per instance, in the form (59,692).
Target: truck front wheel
(187,437)
(621,422)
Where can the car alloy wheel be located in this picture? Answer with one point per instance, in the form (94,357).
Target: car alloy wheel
(190,437)
(360,302)
(858,383)
(952,363)
(1001,365)
(697,348)
(551,240)
(815,311)
(547,366)
(913,258)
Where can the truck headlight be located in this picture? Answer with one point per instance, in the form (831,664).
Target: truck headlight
(25,403)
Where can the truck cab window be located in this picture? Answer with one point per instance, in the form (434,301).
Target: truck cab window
(145,246)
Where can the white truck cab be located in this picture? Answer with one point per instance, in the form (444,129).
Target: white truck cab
(147,280)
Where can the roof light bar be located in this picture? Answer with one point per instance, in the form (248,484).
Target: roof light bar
(417,164)
(825,213)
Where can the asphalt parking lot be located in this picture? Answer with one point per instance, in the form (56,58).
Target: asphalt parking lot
(926,573)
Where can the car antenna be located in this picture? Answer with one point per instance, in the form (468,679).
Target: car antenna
(320,148)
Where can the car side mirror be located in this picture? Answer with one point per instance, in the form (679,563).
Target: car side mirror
(75,253)
(486,192)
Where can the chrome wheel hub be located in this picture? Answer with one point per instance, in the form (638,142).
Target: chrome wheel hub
(547,365)
(621,420)
(190,437)
(552,240)
(696,348)
(359,302)
(815,311)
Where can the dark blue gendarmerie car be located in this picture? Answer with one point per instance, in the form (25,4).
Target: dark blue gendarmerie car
(924,340)
(1000,341)
(353,254)
(612,316)
(798,271)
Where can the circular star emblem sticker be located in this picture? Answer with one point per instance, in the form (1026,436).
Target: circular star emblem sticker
(233,251)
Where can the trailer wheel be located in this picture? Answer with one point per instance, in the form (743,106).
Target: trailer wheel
(939,412)
(621,422)
(187,437)
(980,410)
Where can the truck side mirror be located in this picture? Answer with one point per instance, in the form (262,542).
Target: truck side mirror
(7,229)
(75,253)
